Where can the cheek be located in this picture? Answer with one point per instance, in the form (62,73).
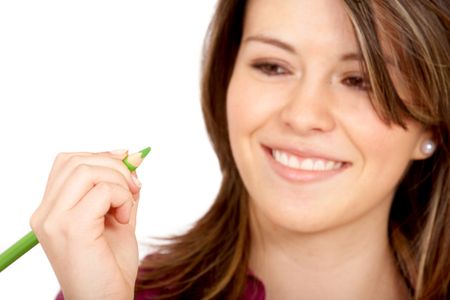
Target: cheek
(236,112)
(385,152)
(376,141)
(365,130)
(239,109)
(249,109)
(251,104)
(236,108)
(382,152)
(242,108)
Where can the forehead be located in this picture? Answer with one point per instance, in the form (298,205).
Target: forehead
(318,23)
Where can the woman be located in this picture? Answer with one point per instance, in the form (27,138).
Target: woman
(331,122)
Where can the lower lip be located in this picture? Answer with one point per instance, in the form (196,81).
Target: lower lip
(296,175)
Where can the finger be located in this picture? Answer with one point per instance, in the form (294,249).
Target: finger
(81,181)
(63,167)
(68,160)
(104,198)
(60,177)
(65,161)
(117,154)
(63,157)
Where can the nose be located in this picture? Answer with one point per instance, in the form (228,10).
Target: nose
(308,109)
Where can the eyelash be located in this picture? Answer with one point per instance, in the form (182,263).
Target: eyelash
(270,69)
(274,69)
(361,82)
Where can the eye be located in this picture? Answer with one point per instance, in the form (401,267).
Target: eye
(358,82)
(270,69)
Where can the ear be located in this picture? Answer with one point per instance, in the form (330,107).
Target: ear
(421,151)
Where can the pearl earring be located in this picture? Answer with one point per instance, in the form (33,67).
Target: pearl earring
(428,147)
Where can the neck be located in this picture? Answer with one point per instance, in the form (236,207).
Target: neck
(353,261)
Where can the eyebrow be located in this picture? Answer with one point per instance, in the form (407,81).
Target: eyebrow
(352,56)
(289,48)
(357,56)
(271,41)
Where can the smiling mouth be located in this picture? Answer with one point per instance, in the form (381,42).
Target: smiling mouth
(305,163)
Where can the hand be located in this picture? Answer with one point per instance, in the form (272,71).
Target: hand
(86,225)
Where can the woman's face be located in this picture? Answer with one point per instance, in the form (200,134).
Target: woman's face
(309,146)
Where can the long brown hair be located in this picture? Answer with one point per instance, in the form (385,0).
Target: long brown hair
(210,260)
(419,223)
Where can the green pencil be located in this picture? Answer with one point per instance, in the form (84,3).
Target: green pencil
(23,245)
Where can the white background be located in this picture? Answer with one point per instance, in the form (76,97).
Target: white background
(95,76)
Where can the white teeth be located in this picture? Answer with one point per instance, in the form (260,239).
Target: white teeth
(308,164)
(319,165)
(276,155)
(294,162)
(330,165)
(284,158)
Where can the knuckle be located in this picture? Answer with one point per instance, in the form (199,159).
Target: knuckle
(34,220)
(83,170)
(74,160)
(49,227)
(104,189)
(61,157)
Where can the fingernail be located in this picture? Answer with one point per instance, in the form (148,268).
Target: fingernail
(119,152)
(136,180)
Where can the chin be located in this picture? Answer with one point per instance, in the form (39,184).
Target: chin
(297,218)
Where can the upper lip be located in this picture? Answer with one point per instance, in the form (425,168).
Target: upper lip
(303,152)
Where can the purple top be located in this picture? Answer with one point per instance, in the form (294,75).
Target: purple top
(254,290)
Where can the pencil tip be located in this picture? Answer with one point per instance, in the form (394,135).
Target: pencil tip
(134,160)
(145,152)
